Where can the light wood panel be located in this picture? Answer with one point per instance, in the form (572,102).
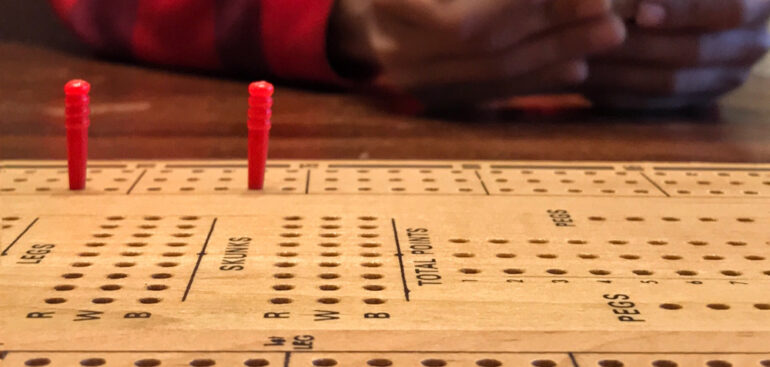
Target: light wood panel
(404,263)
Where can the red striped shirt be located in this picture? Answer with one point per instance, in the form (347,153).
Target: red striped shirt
(283,38)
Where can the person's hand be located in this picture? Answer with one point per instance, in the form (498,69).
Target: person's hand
(453,52)
(681,53)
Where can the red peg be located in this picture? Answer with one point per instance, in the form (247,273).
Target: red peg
(260,104)
(77,121)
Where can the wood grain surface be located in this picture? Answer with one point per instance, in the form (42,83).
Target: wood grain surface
(145,112)
(509,260)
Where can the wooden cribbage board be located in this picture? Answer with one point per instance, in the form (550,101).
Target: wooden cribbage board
(386,263)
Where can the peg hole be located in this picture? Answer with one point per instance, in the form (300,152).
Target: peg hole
(93,362)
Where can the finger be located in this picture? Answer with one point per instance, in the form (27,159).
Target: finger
(626,9)
(701,14)
(736,47)
(657,81)
(464,31)
(552,48)
(550,79)
(546,17)
(458,19)
(414,30)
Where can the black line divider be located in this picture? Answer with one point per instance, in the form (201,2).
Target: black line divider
(482,182)
(200,257)
(136,182)
(5,252)
(573,360)
(655,184)
(400,259)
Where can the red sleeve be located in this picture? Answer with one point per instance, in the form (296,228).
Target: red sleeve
(282,38)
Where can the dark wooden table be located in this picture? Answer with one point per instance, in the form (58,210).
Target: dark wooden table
(148,113)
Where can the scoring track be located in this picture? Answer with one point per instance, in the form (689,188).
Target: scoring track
(631,262)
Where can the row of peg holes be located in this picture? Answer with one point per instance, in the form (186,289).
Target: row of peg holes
(220,179)
(383,362)
(217,188)
(46,189)
(64,171)
(541,241)
(718,192)
(429,171)
(399,189)
(541,190)
(396,179)
(714,306)
(56,179)
(432,362)
(103,300)
(149,219)
(601,272)
(150,362)
(670,363)
(638,191)
(565,181)
(499,172)
(672,219)
(394,171)
(225,171)
(153,218)
(708,183)
(557,172)
(720,174)
(585,256)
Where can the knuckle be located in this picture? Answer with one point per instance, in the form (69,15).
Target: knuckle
(574,73)
(452,25)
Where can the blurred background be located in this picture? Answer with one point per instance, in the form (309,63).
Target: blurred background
(34,22)
(144,106)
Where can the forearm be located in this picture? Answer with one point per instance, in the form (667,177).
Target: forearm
(284,38)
